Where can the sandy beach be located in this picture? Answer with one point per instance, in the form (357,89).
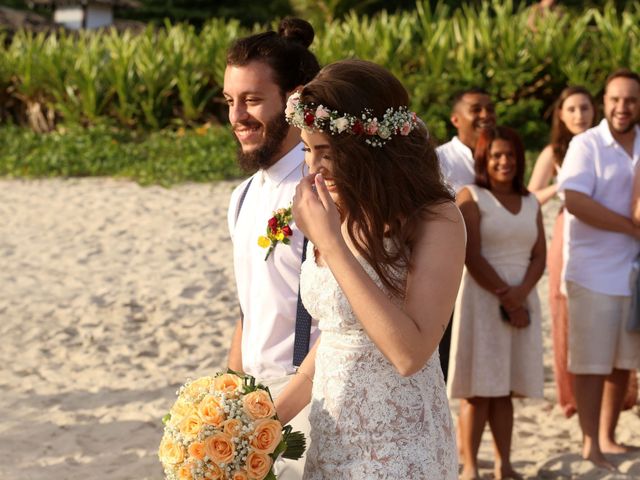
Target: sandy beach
(114,294)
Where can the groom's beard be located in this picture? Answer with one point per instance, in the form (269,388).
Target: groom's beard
(265,155)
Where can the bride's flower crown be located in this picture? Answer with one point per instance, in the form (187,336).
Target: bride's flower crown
(400,121)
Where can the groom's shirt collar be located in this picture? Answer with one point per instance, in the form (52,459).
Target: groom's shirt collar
(284,167)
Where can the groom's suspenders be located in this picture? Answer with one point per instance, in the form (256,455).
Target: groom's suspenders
(303,319)
(303,323)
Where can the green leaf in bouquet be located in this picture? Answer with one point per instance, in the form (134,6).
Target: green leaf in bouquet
(271,476)
(250,381)
(166,418)
(282,446)
(233,372)
(295,444)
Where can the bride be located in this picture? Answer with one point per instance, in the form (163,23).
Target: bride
(383,266)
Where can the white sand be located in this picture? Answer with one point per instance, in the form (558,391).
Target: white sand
(113,294)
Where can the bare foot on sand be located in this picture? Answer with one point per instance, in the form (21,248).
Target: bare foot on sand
(507,474)
(598,459)
(617,448)
(469,474)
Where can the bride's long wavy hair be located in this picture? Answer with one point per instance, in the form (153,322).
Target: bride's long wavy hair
(385,192)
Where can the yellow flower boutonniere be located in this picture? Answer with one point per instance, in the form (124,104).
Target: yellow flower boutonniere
(278,230)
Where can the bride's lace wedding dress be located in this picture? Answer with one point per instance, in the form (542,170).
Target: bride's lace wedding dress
(367,421)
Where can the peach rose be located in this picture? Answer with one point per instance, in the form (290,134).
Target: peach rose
(267,435)
(258,405)
(196,450)
(232,427)
(191,425)
(210,410)
(220,448)
(184,472)
(179,411)
(239,475)
(213,472)
(258,465)
(199,386)
(170,451)
(228,383)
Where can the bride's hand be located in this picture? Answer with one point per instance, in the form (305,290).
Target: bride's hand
(316,214)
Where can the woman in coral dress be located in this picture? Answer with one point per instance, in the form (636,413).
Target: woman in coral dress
(573,113)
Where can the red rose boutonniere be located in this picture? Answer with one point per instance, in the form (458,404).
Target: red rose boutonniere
(278,230)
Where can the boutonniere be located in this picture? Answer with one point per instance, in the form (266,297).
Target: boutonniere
(278,230)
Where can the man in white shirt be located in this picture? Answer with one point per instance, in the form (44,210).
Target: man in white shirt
(471,112)
(601,243)
(262,71)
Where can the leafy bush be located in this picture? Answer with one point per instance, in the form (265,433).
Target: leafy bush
(163,157)
(170,77)
(174,74)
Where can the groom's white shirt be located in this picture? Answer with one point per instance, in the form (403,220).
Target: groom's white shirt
(267,290)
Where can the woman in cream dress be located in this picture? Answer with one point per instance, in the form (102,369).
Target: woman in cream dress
(496,350)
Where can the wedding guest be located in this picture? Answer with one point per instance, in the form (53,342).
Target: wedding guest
(262,71)
(472,111)
(601,243)
(574,112)
(386,240)
(496,348)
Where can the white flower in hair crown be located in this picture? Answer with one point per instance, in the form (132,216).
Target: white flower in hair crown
(377,132)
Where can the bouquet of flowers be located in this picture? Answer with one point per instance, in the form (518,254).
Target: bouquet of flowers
(225,428)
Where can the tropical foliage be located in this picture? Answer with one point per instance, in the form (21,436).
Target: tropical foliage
(163,157)
(170,77)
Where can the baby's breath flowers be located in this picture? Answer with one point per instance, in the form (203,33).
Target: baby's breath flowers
(225,427)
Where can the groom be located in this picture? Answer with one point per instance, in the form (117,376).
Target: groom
(262,71)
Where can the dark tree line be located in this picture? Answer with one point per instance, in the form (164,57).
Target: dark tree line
(250,12)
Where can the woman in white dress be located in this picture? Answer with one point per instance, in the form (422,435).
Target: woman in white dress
(496,339)
(383,268)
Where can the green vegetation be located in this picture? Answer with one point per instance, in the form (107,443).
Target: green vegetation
(169,78)
(164,157)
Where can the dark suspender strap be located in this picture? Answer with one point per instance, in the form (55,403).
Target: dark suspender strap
(303,324)
(238,208)
(241,199)
(302,336)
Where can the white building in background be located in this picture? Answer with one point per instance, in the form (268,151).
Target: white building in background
(78,14)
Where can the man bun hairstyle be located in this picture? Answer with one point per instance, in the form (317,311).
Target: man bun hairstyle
(285,51)
(296,30)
